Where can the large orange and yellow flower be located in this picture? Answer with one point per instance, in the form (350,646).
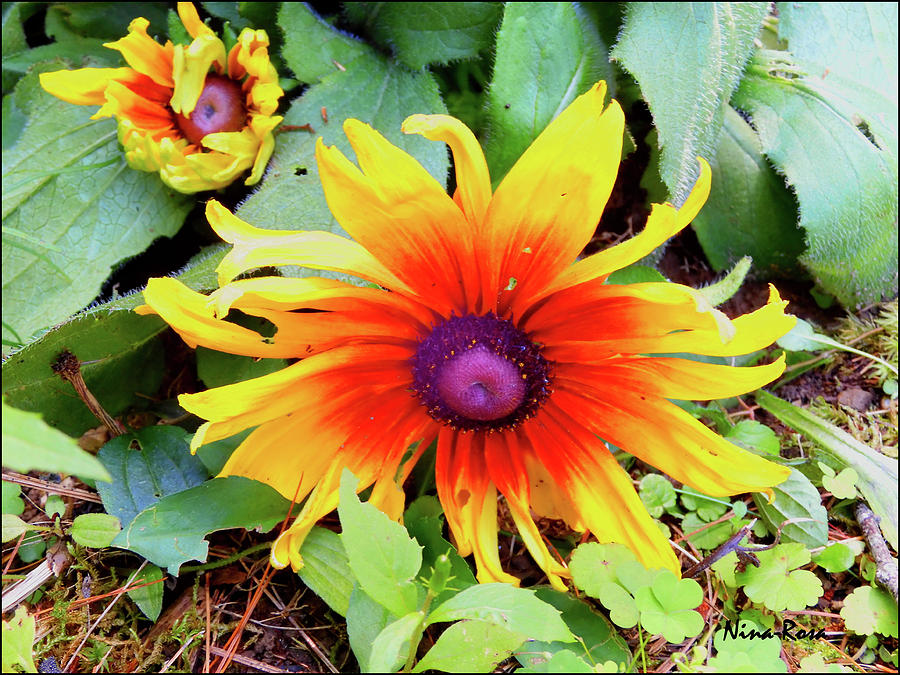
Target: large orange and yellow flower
(484,335)
(197,115)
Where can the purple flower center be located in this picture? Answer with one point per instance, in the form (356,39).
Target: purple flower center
(480,373)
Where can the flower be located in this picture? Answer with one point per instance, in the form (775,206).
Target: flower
(484,335)
(199,129)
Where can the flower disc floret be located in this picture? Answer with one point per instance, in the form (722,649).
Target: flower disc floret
(195,113)
(480,373)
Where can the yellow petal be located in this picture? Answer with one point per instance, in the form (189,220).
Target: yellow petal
(472,177)
(145,54)
(255,247)
(546,209)
(190,66)
(191,20)
(84,86)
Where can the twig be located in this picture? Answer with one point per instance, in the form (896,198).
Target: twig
(276,600)
(53,488)
(885,564)
(245,660)
(17,592)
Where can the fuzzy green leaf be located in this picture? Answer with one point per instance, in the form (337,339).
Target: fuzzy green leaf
(516,609)
(312,48)
(814,130)
(470,647)
(698,52)
(750,211)
(547,54)
(18,636)
(146,466)
(71,210)
(798,500)
(172,531)
(870,610)
(30,444)
(383,557)
(777,583)
(421,33)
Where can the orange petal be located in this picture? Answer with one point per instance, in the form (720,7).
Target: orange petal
(123,103)
(255,247)
(547,207)
(469,500)
(665,436)
(596,485)
(508,472)
(84,86)
(235,407)
(145,54)
(473,181)
(396,210)
(672,377)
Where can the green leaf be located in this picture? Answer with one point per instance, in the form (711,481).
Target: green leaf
(30,445)
(559,662)
(848,193)
(597,640)
(777,583)
(95,530)
(120,359)
(13,41)
(217,369)
(877,474)
(503,605)
(66,184)
(725,288)
(687,59)
(750,211)
(77,53)
(803,337)
(55,506)
(12,502)
(313,48)
(148,598)
(424,32)
(667,607)
(365,621)
(742,651)
(18,636)
(547,54)
(635,274)
(593,564)
(836,557)
(870,610)
(13,527)
(842,485)
(708,508)
(424,520)
(392,644)
(657,494)
(798,500)
(326,569)
(108,20)
(470,646)
(172,531)
(753,435)
(380,552)
(146,466)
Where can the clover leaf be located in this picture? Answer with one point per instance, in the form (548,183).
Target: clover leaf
(836,557)
(594,564)
(870,610)
(842,485)
(777,583)
(657,493)
(667,607)
(741,649)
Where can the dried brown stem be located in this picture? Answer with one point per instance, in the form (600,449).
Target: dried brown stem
(68,367)
(885,563)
